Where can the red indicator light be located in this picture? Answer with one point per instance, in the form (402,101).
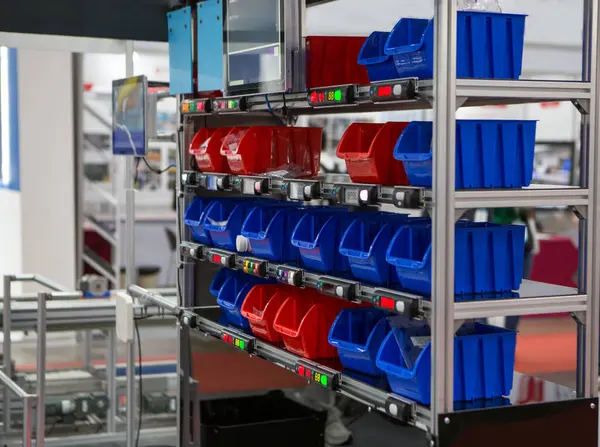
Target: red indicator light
(321,96)
(225,338)
(200,106)
(217,258)
(308,373)
(387,303)
(313,97)
(386,90)
(301,370)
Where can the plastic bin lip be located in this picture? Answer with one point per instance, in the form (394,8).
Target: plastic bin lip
(355,347)
(352,253)
(410,48)
(261,235)
(218,226)
(373,59)
(309,244)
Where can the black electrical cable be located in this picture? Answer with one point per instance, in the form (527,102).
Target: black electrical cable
(271,110)
(156,170)
(139,343)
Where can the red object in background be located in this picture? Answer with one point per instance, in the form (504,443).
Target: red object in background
(333,60)
(260,308)
(98,245)
(368,149)
(260,149)
(206,149)
(304,321)
(556,263)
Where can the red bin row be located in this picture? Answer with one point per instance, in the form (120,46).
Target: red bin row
(300,320)
(333,60)
(258,150)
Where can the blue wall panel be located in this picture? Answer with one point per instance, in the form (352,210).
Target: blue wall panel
(180,51)
(210,45)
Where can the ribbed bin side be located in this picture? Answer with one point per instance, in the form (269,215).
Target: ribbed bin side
(490,45)
(484,358)
(231,297)
(489,153)
(260,308)
(488,257)
(224,220)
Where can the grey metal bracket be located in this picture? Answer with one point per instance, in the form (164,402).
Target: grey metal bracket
(460,101)
(582,105)
(579,317)
(581,211)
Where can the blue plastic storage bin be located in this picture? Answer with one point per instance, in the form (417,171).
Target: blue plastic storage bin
(219,279)
(379,65)
(364,244)
(317,237)
(489,153)
(489,46)
(224,219)
(357,334)
(269,230)
(194,218)
(484,359)
(488,257)
(232,295)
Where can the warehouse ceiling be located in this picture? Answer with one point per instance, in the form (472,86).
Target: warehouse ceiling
(113,19)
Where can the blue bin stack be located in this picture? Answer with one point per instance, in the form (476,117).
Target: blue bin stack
(365,242)
(489,46)
(269,229)
(231,287)
(357,334)
(488,257)
(317,237)
(484,358)
(489,153)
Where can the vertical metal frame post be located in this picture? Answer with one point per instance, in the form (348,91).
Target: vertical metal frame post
(6,350)
(41,371)
(444,134)
(130,270)
(589,231)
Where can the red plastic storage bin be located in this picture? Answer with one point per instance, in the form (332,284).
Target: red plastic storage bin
(368,149)
(333,60)
(206,149)
(260,308)
(260,149)
(304,321)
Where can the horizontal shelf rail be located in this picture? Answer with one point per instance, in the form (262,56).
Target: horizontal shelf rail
(533,298)
(404,197)
(400,94)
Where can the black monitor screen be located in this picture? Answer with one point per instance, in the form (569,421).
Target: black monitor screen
(254,45)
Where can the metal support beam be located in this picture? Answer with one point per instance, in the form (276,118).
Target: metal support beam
(41,370)
(111,381)
(6,350)
(591,69)
(130,270)
(444,134)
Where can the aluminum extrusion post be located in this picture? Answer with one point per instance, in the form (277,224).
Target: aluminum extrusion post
(130,270)
(111,366)
(41,371)
(444,135)
(27,421)
(6,350)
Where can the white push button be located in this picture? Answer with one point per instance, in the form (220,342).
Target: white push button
(393,409)
(339,291)
(364,195)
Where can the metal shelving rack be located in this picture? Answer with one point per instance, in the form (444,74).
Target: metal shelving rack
(444,94)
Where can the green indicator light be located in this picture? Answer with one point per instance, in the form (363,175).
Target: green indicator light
(235,104)
(338,95)
(192,107)
(324,380)
(242,344)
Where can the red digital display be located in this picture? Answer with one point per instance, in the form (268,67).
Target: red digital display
(387,303)
(313,97)
(385,90)
(321,96)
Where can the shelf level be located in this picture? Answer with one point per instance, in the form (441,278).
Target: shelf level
(533,298)
(326,375)
(412,94)
(340,191)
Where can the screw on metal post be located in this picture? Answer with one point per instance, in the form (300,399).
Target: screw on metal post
(592,406)
(446,421)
